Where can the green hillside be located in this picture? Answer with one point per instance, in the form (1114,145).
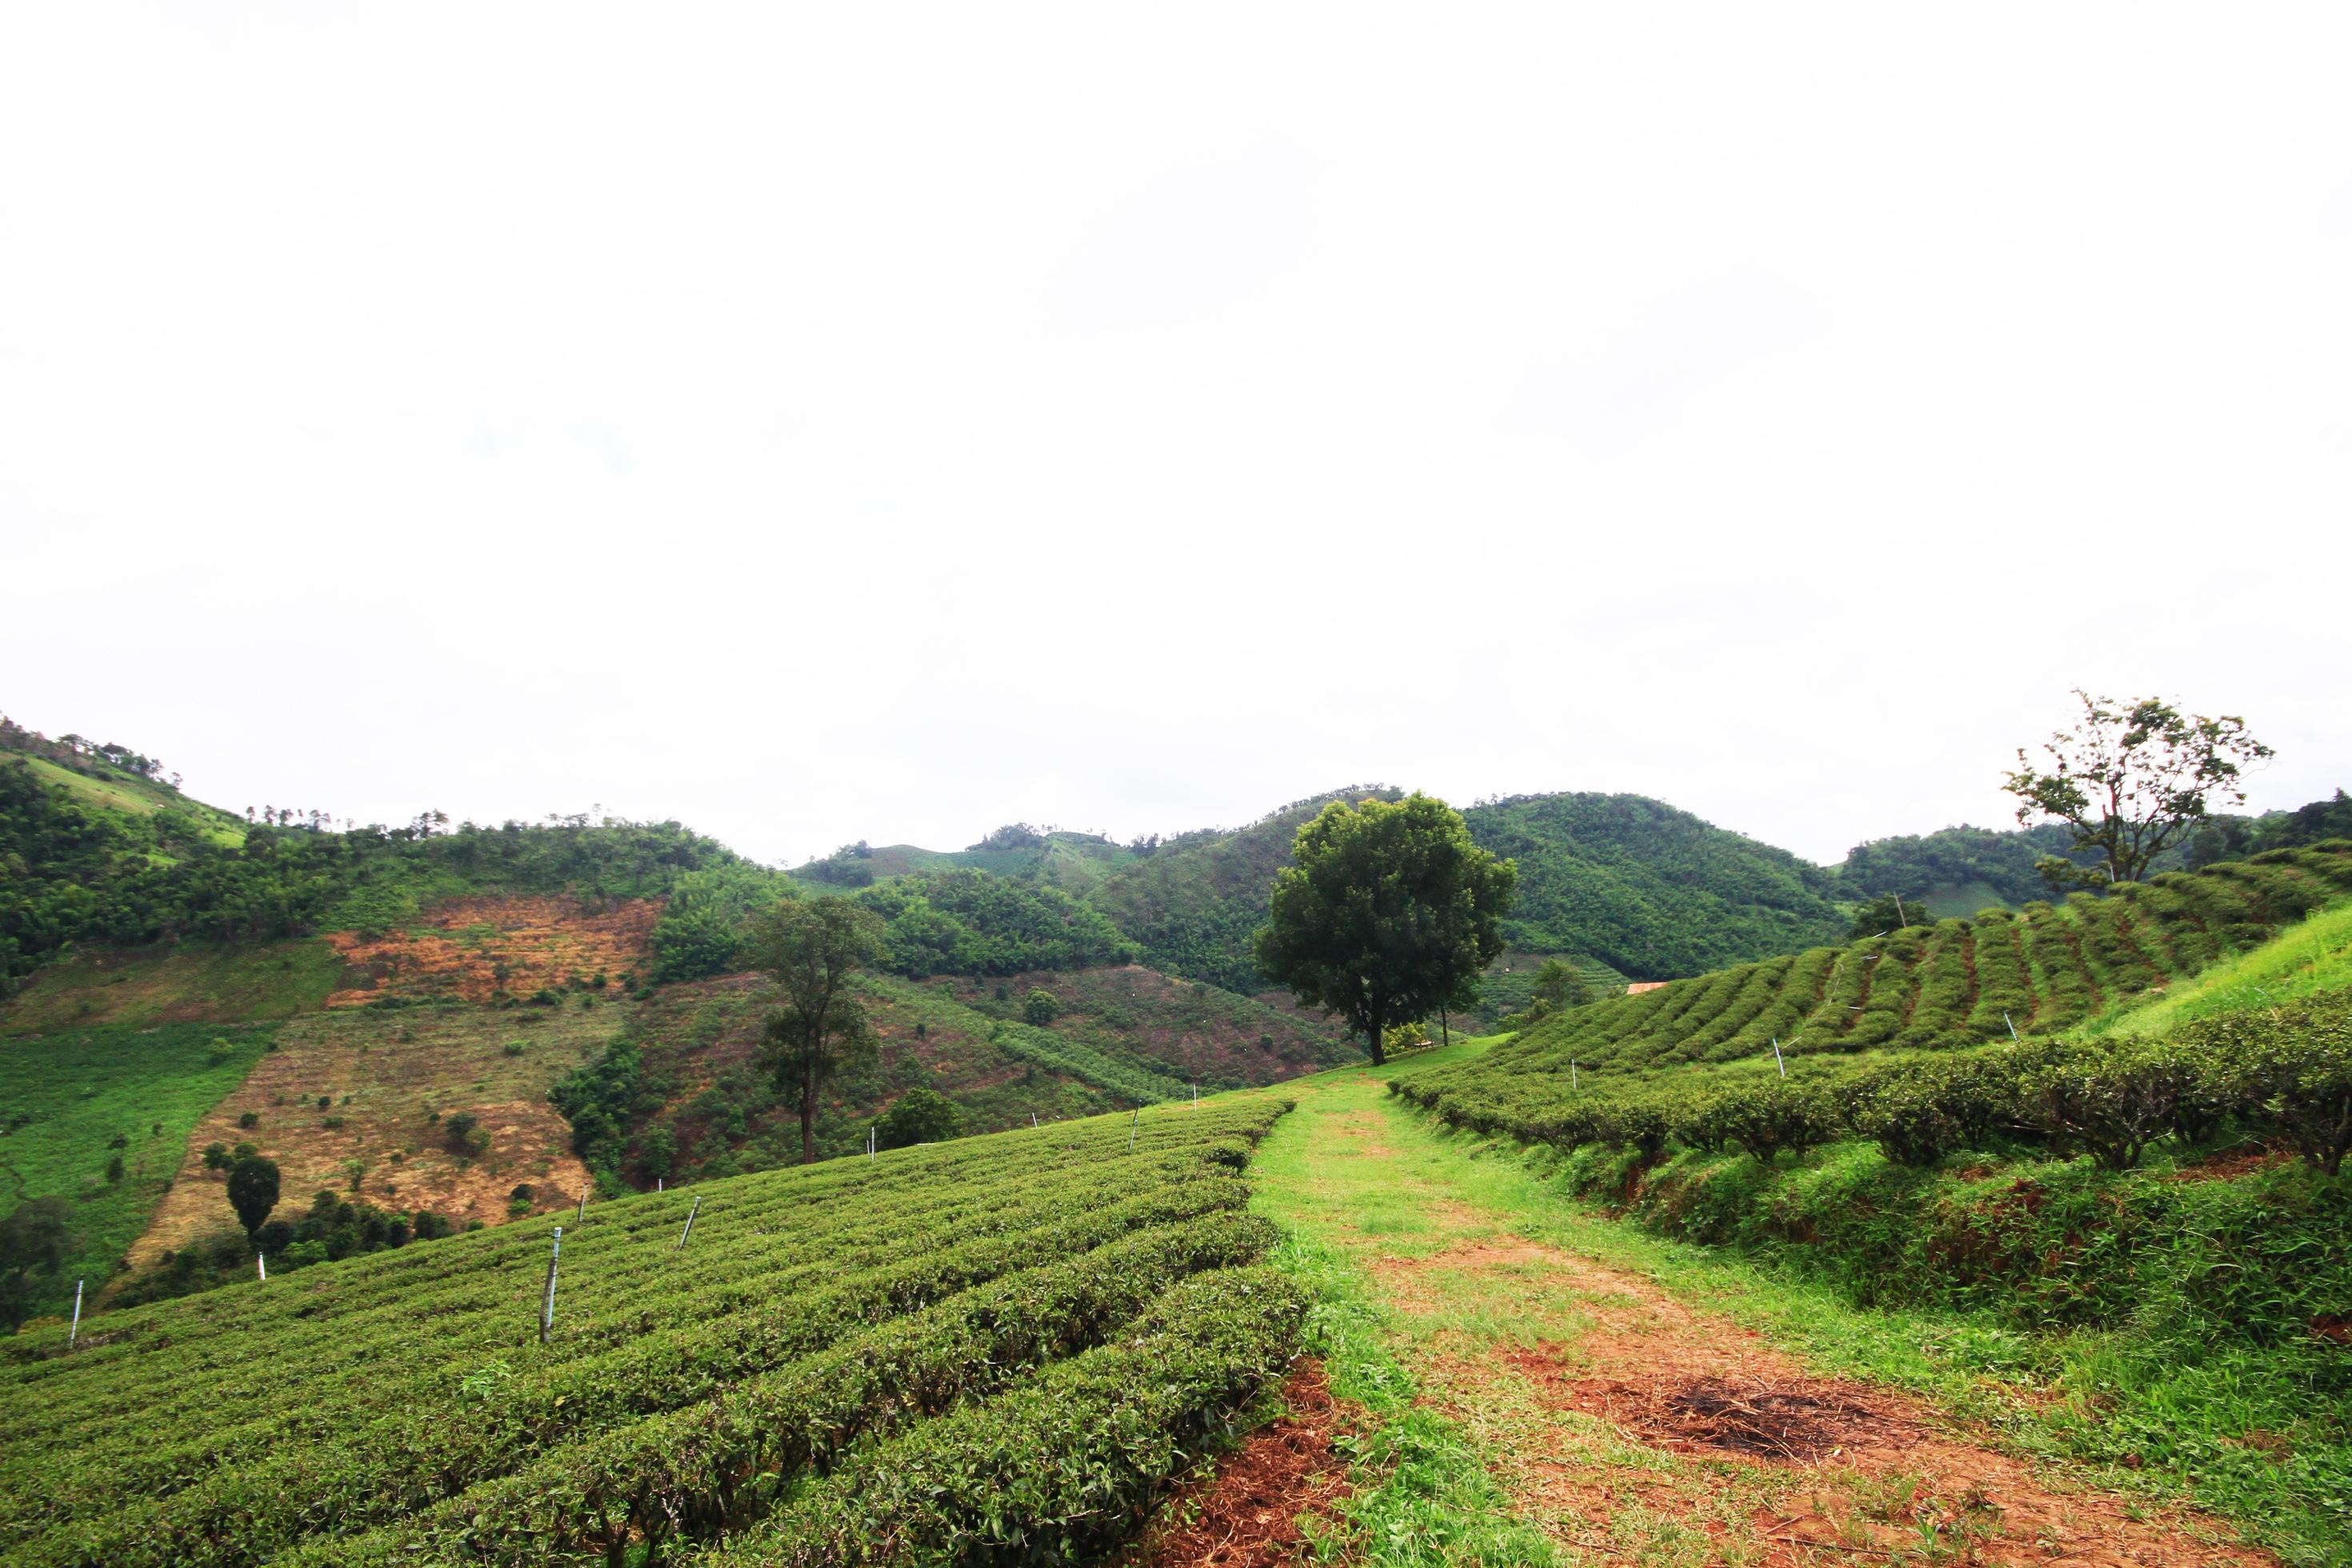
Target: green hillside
(1959,870)
(1956,982)
(943,1347)
(1633,885)
(1194,903)
(1650,891)
(2147,1189)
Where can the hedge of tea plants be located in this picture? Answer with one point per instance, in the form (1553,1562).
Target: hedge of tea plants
(920,1356)
(1949,986)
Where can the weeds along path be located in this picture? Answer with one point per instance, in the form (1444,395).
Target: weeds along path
(1627,1420)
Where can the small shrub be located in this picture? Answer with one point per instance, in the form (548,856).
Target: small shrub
(250,1119)
(1040,1007)
(1770,1117)
(217,1157)
(462,1134)
(2116,1101)
(512,1048)
(325,1100)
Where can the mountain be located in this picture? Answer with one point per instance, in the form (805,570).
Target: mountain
(1627,882)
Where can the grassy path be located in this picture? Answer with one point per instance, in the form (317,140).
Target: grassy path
(1547,1387)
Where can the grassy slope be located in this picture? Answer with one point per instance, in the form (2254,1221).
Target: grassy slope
(112,790)
(1187,1030)
(2314,956)
(2102,1409)
(194,982)
(74,1093)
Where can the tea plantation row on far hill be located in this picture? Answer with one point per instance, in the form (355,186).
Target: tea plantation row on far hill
(2146,1184)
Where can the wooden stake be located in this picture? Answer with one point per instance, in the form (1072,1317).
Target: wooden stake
(261,1268)
(2012,1028)
(546,1300)
(75,1331)
(584,1207)
(1130,1128)
(1572,1072)
(1776,1057)
(689,1222)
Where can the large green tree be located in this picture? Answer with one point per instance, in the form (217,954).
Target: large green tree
(814,947)
(252,1190)
(2130,780)
(1388,912)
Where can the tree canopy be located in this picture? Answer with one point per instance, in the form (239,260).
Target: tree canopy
(2130,780)
(813,949)
(1387,913)
(253,1190)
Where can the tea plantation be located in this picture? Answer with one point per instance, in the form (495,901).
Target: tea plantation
(1001,1344)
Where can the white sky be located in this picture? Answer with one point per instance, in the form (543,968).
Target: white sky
(831,421)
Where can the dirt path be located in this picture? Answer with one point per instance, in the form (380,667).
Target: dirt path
(1631,1426)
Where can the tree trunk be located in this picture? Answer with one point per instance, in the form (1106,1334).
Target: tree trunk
(1446,1024)
(1372,1033)
(808,1113)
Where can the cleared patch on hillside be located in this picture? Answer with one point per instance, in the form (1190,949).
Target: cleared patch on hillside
(489,948)
(702,1040)
(194,982)
(1183,1028)
(391,1080)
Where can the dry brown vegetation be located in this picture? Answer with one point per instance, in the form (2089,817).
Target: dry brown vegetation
(385,1077)
(481,949)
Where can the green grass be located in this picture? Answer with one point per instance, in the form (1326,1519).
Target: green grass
(136,797)
(200,982)
(2314,956)
(78,1092)
(2143,1403)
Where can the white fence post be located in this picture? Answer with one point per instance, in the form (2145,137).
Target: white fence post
(547,1300)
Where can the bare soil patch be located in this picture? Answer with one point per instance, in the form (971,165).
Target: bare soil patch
(390,1082)
(1245,1513)
(484,949)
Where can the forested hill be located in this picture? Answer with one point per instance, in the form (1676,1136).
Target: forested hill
(1652,892)
(1956,871)
(1194,901)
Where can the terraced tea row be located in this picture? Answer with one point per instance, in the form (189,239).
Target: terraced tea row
(404,1404)
(1957,983)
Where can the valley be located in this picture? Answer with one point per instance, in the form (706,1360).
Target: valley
(1726,1229)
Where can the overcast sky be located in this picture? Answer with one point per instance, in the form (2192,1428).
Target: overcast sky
(817,421)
